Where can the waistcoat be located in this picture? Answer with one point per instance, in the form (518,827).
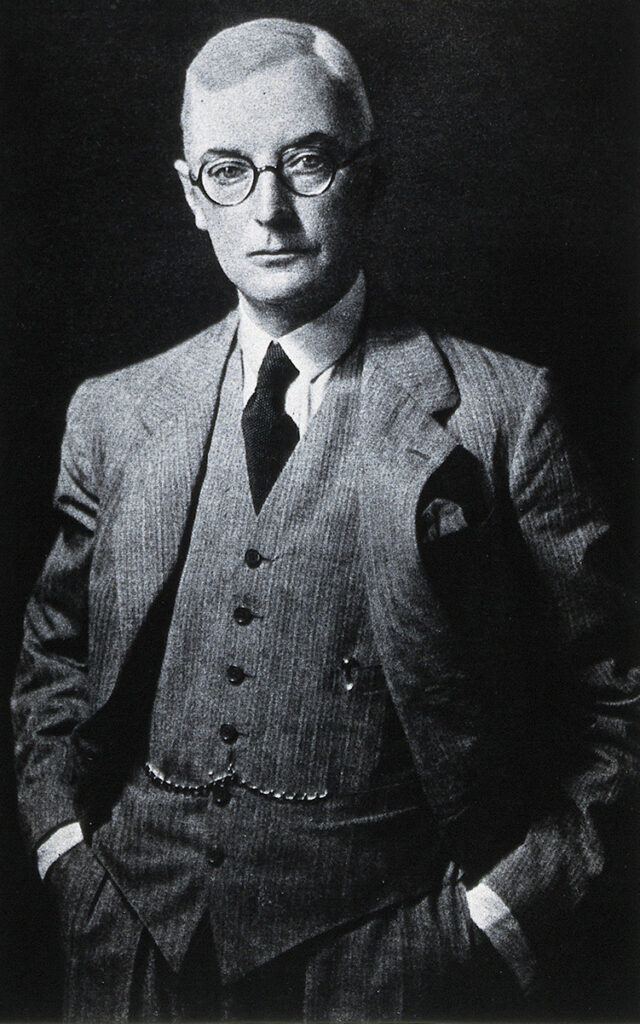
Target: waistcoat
(278,795)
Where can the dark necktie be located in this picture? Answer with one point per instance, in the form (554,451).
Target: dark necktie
(270,435)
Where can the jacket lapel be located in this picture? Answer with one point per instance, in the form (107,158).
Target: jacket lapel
(406,385)
(161,480)
(153,508)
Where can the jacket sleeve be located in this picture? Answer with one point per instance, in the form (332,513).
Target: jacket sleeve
(50,693)
(587,621)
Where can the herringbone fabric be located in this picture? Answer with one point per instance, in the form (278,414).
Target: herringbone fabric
(270,435)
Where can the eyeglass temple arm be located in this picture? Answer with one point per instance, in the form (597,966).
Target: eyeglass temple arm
(361,151)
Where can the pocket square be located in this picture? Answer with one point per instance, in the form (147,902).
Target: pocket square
(440,518)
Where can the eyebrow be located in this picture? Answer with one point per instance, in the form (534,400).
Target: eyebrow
(311,139)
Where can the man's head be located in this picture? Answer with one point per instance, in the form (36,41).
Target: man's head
(280,95)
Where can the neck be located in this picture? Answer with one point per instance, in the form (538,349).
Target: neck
(282,318)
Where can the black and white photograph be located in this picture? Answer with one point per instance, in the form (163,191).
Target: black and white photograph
(321,680)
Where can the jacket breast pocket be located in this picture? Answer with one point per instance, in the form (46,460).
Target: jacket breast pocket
(457,555)
(455,503)
(456,518)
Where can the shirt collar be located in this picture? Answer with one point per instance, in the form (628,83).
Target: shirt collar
(313,347)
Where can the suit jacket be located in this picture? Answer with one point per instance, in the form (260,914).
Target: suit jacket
(498,621)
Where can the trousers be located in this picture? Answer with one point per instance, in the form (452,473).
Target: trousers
(421,959)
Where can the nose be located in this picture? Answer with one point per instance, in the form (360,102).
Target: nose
(271,199)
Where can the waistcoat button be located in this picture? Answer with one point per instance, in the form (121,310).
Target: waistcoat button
(242,615)
(228,733)
(236,674)
(216,856)
(252,558)
(222,795)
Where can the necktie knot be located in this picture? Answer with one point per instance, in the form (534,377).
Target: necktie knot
(275,375)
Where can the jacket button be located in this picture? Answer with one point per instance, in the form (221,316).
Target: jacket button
(236,674)
(228,733)
(242,615)
(252,558)
(216,856)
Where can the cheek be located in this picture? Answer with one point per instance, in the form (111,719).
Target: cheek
(338,225)
(226,235)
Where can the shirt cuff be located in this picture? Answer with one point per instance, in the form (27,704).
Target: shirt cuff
(57,844)
(494,918)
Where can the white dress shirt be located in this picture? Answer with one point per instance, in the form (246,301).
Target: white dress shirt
(314,349)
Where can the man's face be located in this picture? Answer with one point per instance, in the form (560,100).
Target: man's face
(276,247)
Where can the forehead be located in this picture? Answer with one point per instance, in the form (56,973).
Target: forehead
(267,110)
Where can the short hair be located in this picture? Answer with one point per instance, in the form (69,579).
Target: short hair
(242,50)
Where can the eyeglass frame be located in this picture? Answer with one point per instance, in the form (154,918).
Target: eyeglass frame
(277,170)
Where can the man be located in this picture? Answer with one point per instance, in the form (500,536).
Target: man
(322,701)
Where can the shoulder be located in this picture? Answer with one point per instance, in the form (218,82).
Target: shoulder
(483,373)
(498,395)
(474,379)
(482,396)
(493,386)
(133,383)
(109,413)
(118,399)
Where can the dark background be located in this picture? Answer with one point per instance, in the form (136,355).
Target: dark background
(510,130)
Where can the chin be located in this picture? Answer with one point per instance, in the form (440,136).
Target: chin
(279,286)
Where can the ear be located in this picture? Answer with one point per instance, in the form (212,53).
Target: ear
(376,176)
(192,194)
(372,179)
(370,187)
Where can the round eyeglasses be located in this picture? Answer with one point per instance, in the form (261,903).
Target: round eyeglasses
(229,180)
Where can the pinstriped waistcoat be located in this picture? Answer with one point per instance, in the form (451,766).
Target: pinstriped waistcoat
(323,817)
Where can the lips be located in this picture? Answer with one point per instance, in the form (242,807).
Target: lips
(283,251)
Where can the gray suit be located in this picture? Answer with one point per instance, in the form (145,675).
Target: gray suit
(485,570)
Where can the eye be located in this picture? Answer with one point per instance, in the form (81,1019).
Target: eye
(226,172)
(307,161)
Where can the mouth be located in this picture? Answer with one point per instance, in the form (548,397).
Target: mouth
(280,252)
